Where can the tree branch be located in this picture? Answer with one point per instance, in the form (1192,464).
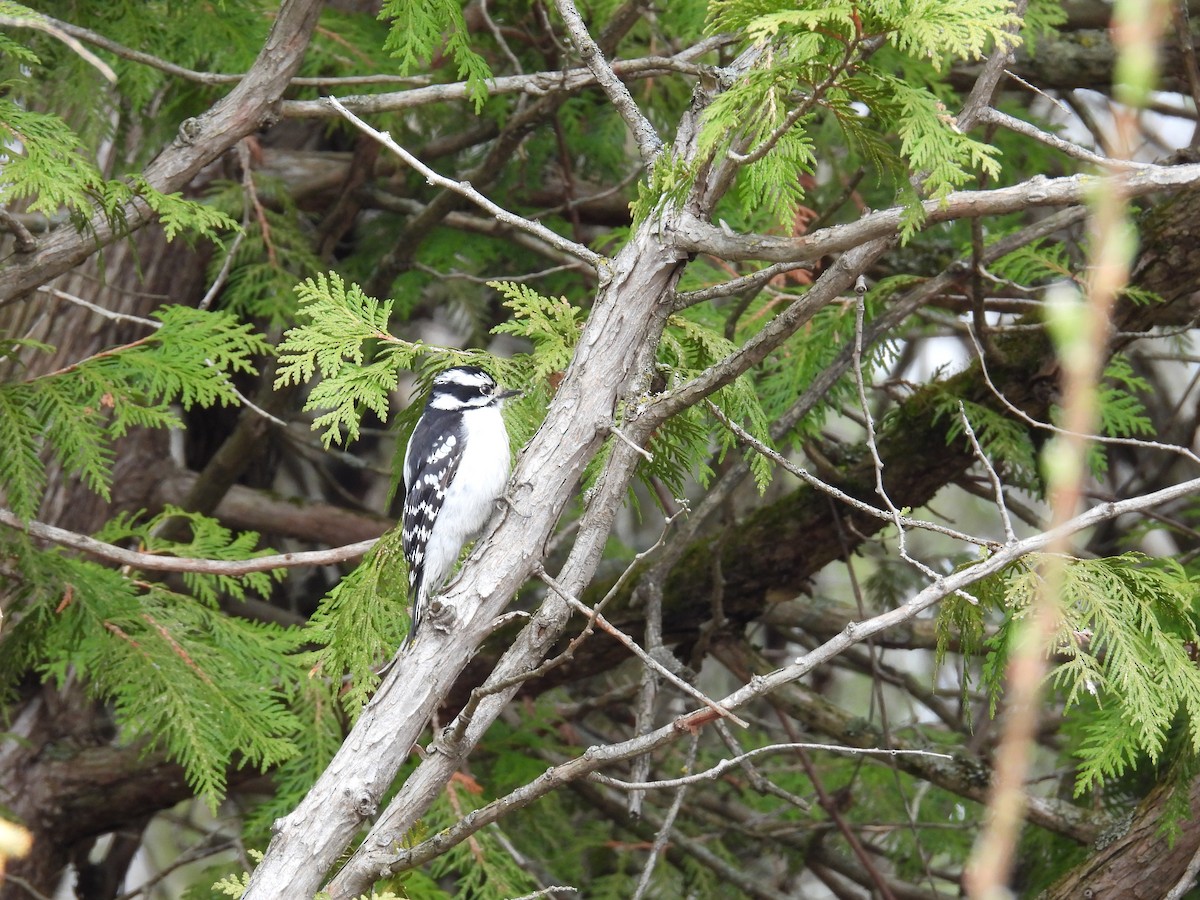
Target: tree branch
(536,84)
(697,236)
(464,189)
(252,104)
(376,858)
(153,562)
(648,141)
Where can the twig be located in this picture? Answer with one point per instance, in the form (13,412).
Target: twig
(209,846)
(488,279)
(252,406)
(1020,126)
(829,288)
(758,780)
(156,563)
(464,189)
(854,49)
(56,30)
(1186,880)
(573,203)
(1066,432)
(223,275)
(750,884)
(648,141)
(72,30)
(837,494)
(869,421)
(643,723)
(664,830)
(479,225)
(100,310)
(498,35)
(831,808)
(25,241)
(994,69)
(637,651)
(151,323)
(895,312)
(715,772)
(21,882)
(993,476)
(753,281)
(873,448)
(641,451)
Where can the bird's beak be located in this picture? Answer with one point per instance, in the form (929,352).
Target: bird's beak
(506,395)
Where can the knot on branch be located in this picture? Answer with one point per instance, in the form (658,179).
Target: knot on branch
(365,806)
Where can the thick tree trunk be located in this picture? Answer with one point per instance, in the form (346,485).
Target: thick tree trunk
(1145,861)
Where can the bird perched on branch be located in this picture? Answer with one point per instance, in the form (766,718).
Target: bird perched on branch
(455,469)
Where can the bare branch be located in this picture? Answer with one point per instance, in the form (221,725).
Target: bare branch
(534,83)
(1019,126)
(631,645)
(835,281)
(59,31)
(100,310)
(648,141)
(153,562)
(698,236)
(1019,413)
(993,476)
(892,514)
(715,772)
(464,189)
(664,830)
(596,757)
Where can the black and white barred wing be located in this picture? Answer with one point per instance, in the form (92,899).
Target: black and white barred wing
(427,480)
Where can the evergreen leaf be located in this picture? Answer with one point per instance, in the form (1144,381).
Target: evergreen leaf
(552,325)
(420,30)
(346,327)
(1125,625)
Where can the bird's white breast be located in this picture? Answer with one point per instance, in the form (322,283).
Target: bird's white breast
(478,484)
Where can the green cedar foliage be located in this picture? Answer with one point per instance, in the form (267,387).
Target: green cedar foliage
(361,622)
(181,675)
(50,172)
(817,58)
(344,329)
(419,30)
(208,540)
(1123,628)
(76,412)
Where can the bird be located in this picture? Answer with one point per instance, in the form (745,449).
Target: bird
(456,466)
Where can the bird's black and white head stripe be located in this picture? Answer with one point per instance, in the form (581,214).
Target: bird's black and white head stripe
(455,468)
(463,387)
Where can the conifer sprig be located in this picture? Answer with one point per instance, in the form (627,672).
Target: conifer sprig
(77,411)
(181,675)
(1124,630)
(344,327)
